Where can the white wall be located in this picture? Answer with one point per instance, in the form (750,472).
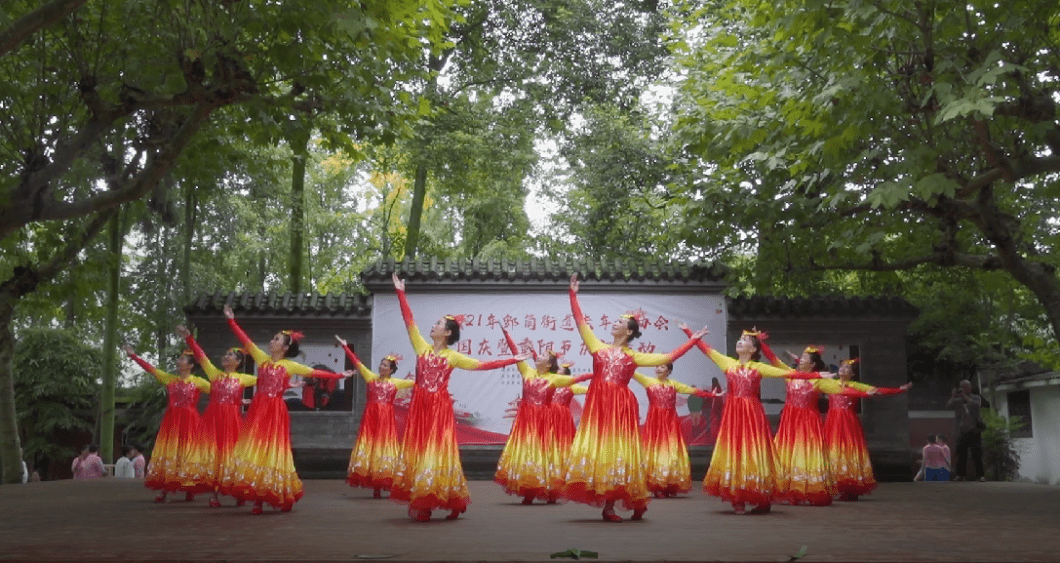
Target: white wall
(1040,454)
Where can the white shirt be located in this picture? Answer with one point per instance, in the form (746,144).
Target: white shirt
(124,468)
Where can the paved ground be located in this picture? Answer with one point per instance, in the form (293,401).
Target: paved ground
(116,520)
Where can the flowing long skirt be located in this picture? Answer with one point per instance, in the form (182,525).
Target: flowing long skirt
(605,462)
(525,463)
(803,475)
(430,476)
(377,453)
(666,460)
(848,455)
(181,458)
(743,468)
(561,436)
(220,425)
(261,467)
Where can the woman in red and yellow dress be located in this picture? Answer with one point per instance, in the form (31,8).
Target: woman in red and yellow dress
(848,455)
(528,467)
(606,464)
(804,475)
(222,419)
(743,469)
(262,468)
(669,471)
(562,429)
(180,460)
(430,476)
(377,453)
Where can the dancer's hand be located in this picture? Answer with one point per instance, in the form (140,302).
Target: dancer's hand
(574,283)
(127,349)
(347,373)
(228,312)
(906,386)
(681,325)
(182,331)
(700,333)
(524,356)
(340,339)
(399,284)
(827,375)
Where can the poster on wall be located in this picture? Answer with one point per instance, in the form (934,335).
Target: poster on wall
(483,400)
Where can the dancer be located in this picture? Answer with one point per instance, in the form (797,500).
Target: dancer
(430,475)
(606,463)
(221,421)
(528,467)
(262,468)
(181,460)
(848,455)
(562,429)
(377,453)
(669,470)
(803,473)
(743,468)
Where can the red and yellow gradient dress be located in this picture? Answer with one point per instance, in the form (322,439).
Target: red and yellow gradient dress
(524,465)
(669,470)
(848,454)
(561,431)
(743,468)
(222,419)
(181,458)
(606,463)
(261,467)
(804,474)
(430,476)
(376,456)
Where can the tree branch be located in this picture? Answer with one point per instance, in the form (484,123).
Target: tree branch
(17,33)
(938,258)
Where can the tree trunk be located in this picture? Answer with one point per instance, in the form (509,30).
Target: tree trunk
(300,146)
(189,236)
(110,337)
(419,192)
(10,446)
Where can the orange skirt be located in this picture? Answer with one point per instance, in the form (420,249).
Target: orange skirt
(220,425)
(261,468)
(525,463)
(743,468)
(665,453)
(605,462)
(377,453)
(182,458)
(430,476)
(561,436)
(803,474)
(848,455)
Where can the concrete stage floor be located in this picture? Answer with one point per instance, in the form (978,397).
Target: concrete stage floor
(117,520)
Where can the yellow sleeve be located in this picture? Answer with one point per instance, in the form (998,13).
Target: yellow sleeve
(591,341)
(560,380)
(721,360)
(865,388)
(419,344)
(770,371)
(295,368)
(201,383)
(828,386)
(246,380)
(163,377)
(527,370)
(456,359)
(646,359)
(579,389)
(403,383)
(211,371)
(366,373)
(683,388)
(645,380)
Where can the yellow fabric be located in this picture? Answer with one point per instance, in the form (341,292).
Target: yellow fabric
(214,374)
(579,389)
(368,375)
(858,386)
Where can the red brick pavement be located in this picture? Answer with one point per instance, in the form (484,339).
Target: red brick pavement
(116,520)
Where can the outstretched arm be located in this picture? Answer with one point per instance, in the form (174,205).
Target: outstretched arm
(724,362)
(524,368)
(366,373)
(211,371)
(591,341)
(645,359)
(162,377)
(464,362)
(259,356)
(419,344)
(295,368)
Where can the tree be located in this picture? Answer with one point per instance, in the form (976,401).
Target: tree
(153,74)
(876,136)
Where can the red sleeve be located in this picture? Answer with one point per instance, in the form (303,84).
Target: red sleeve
(406,313)
(698,343)
(238,331)
(143,363)
(680,351)
(803,375)
(583,377)
(706,394)
(851,392)
(511,343)
(494,364)
(321,374)
(200,356)
(575,308)
(889,390)
(768,353)
(350,354)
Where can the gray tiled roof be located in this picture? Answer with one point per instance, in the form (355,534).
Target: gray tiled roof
(305,304)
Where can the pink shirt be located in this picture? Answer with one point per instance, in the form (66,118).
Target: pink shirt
(935,457)
(138,465)
(89,468)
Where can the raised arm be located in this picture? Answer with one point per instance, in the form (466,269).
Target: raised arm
(259,356)
(295,368)
(211,371)
(645,359)
(721,360)
(684,388)
(366,373)
(162,377)
(456,359)
(524,368)
(419,344)
(591,341)
(644,380)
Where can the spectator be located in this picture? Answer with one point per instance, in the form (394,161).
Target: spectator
(935,466)
(123,468)
(88,465)
(966,406)
(138,462)
(34,477)
(941,441)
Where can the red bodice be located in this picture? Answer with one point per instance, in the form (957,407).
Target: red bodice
(802,394)
(662,396)
(226,391)
(611,365)
(744,382)
(272,380)
(562,396)
(839,401)
(183,393)
(382,391)
(432,373)
(537,391)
